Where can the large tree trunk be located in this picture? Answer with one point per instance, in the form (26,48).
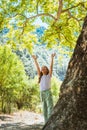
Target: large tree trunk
(70,112)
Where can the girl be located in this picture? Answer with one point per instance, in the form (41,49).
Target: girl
(45,87)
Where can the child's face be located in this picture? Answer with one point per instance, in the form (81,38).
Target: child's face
(44,70)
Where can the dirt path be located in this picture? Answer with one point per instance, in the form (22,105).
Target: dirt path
(22,120)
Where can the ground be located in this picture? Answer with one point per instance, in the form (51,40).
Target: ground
(22,120)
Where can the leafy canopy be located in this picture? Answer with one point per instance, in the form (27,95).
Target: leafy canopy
(62,17)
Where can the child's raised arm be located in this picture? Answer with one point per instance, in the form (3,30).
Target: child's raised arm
(51,65)
(36,63)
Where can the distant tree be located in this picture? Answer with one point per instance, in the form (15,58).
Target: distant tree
(13,80)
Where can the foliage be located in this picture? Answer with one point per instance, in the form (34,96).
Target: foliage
(13,80)
(33,98)
(55,85)
(63,20)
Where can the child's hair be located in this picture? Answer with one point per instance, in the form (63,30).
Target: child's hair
(41,74)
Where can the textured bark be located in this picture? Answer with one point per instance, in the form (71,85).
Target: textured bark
(70,112)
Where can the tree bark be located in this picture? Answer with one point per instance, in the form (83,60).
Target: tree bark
(70,112)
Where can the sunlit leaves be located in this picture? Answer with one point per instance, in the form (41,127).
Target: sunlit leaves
(13,80)
(48,6)
(12,70)
(28,41)
(20,16)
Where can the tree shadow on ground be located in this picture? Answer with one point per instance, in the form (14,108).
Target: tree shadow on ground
(5,118)
(20,126)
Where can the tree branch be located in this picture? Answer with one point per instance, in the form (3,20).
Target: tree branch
(17,15)
(24,25)
(50,15)
(81,3)
(58,12)
(38,15)
(37,6)
(71,16)
(59,9)
(43,14)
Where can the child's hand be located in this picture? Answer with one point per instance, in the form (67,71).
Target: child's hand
(52,55)
(34,57)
